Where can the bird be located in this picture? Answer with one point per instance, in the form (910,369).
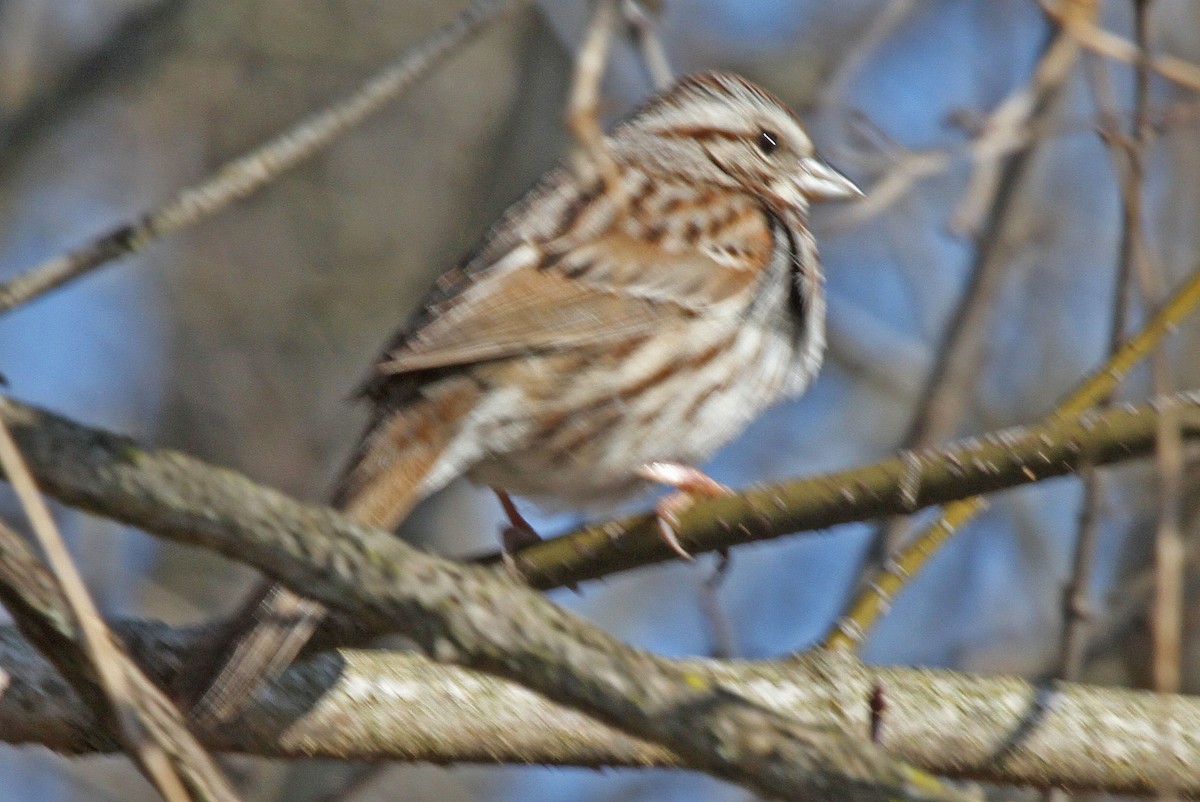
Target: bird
(612,329)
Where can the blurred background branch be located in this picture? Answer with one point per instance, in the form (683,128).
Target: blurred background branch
(247,174)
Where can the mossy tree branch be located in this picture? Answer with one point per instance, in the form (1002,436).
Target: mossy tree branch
(459,613)
(165,491)
(902,483)
(40,609)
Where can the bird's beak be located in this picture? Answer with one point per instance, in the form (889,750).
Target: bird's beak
(818,181)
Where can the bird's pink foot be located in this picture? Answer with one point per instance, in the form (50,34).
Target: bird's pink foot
(690,484)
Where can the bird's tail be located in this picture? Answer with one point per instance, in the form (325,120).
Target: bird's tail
(386,477)
(394,465)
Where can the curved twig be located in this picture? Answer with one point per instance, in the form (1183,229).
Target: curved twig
(253,171)
(876,598)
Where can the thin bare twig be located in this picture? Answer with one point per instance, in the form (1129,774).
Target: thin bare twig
(1169,462)
(1129,601)
(887,19)
(961,354)
(644,32)
(903,169)
(1105,43)
(159,743)
(251,172)
(94,636)
(907,170)
(41,613)
(589,155)
(875,599)
(1169,548)
(1008,122)
(724,638)
(1076,606)
(1129,158)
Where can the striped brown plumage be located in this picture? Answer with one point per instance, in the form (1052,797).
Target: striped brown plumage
(598,329)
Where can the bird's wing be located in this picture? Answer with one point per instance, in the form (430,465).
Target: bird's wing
(575,286)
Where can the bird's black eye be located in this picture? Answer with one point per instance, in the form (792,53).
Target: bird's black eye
(768,142)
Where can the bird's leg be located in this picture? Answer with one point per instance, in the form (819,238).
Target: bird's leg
(689,483)
(519,533)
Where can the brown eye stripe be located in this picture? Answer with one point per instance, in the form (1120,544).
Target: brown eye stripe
(701,133)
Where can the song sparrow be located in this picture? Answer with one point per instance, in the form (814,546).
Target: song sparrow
(613,328)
